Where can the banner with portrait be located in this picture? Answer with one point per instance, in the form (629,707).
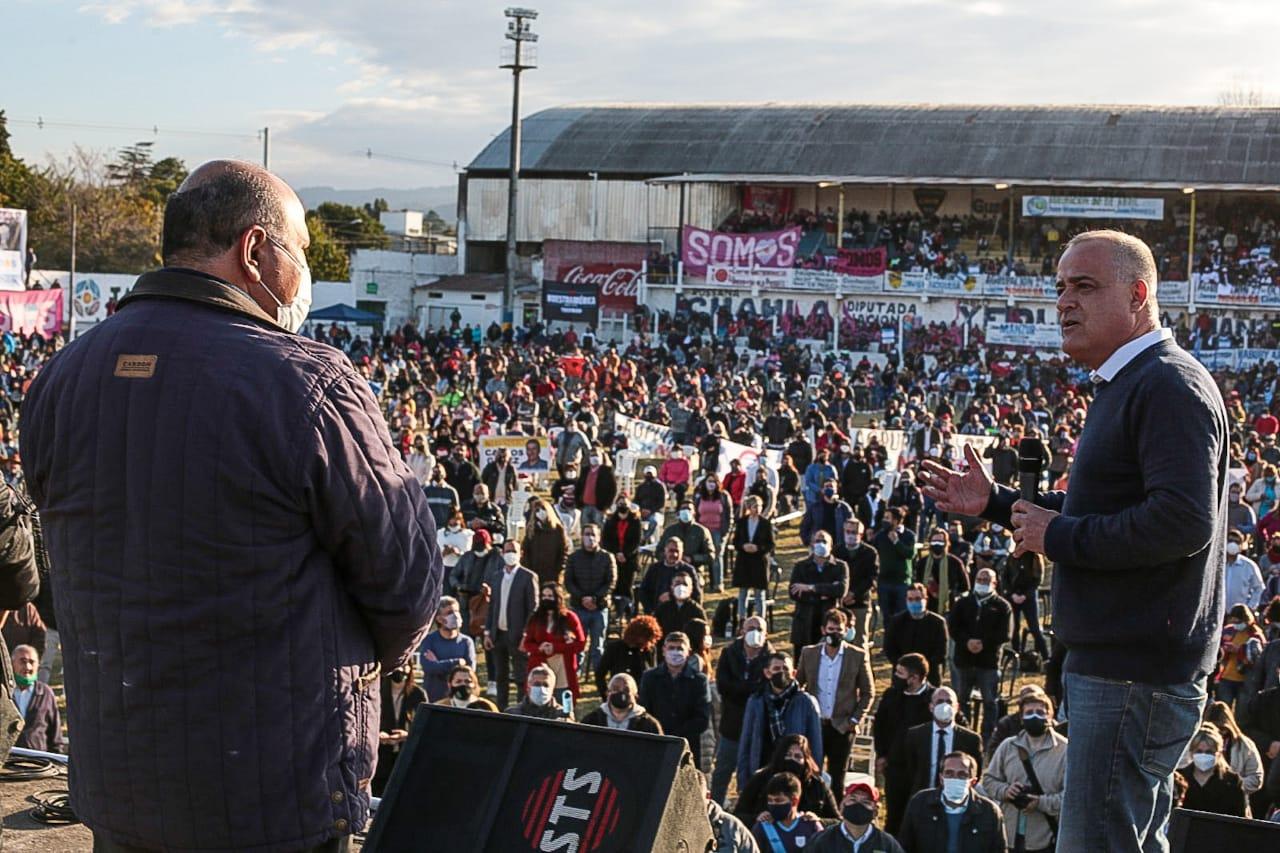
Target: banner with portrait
(529,454)
(13,249)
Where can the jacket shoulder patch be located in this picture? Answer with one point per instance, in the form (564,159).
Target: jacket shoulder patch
(135,366)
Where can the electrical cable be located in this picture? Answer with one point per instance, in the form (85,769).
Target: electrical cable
(53,807)
(18,769)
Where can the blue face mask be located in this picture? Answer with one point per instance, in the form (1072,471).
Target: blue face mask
(915,608)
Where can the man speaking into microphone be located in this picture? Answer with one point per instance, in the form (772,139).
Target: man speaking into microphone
(1138,539)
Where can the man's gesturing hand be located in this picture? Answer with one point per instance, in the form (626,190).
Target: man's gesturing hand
(1029,525)
(966,493)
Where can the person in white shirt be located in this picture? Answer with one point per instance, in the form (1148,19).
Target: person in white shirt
(1243,584)
(420,462)
(454,540)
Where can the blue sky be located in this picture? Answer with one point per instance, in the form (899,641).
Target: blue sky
(419,78)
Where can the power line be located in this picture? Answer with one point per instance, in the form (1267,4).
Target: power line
(370,154)
(40,123)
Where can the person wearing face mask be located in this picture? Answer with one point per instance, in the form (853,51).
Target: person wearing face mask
(838,675)
(791,754)
(655,588)
(1239,514)
(1243,583)
(651,494)
(917,759)
(482,513)
(620,710)
(621,537)
(441,497)
(864,572)
(540,697)
(1242,645)
(514,600)
(444,648)
(420,462)
(856,829)
(1262,491)
(499,477)
(942,572)
(752,545)
(589,576)
(712,511)
(817,585)
(464,691)
(400,700)
(470,578)
(981,624)
(1027,773)
(780,709)
(596,487)
(675,474)
(226,447)
(454,540)
(917,630)
(680,609)
(461,472)
(905,704)
(572,448)
(554,637)
(952,815)
(739,675)
(678,695)
(896,545)
(546,543)
(695,540)
(828,513)
(1211,784)
(786,830)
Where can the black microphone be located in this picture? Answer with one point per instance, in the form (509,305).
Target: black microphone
(1030,466)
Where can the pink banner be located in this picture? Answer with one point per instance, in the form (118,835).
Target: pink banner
(860,261)
(772,249)
(31,311)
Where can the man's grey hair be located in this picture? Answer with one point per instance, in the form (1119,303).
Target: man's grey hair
(1132,256)
(543,671)
(25,647)
(205,218)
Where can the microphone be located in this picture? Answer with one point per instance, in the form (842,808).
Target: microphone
(1030,466)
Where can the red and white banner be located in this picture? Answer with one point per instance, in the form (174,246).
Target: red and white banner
(860,261)
(767,201)
(775,249)
(612,268)
(31,311)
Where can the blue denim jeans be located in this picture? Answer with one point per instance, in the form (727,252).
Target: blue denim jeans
(1030,611)
(596,624)
(757,596)
(1124,743)
(893,600)
(963,680)
(726,766)
(717,561)
(1229,691)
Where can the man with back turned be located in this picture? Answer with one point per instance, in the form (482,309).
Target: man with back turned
(1139,539)
(237,549)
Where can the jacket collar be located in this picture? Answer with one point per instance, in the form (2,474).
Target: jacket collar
(196,286)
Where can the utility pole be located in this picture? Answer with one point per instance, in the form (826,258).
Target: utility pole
(70,292)
(266,148)
(521,58)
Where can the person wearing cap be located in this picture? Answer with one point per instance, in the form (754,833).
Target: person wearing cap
(856,829)
(471,573)
(651,494)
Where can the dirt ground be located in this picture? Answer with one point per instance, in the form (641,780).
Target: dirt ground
(23,833)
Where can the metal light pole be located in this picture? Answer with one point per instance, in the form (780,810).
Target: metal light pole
(266,148)
(1191,251)
(518,31)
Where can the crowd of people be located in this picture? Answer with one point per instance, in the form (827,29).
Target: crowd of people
(565,573)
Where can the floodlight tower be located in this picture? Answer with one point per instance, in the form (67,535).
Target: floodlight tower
(520,55)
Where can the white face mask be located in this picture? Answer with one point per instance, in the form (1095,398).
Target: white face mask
(595,460)
(511,558)
(1204,761)
(1233,548)
(542,515)
(686,516)
(453,621)
(982,589)
(540,694)
(680,591)
(588,542)
(755,638)
(955,790)
(820,549)
(294,314)
(944,713)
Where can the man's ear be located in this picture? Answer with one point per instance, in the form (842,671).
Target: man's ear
(248,248)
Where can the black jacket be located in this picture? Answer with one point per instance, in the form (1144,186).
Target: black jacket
(927,570)
(815,796)
(657,580)
(924,827)
(1222,794)
(855,479)
(864,571)
(989,620)
(642,722)
(628,545)
(674,616)
(489,476)
(926,636)
(752,570)
(682,705)
(651,495)
(606,487)
(832,840)
(737,679)
(590,573)
(914,754)
(618,658)
(896,714)
(830,584)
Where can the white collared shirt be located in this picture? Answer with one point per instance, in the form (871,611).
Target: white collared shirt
(948,741)
(828,680)
(857,842)
(22,698)
(1128,353)
(508,577)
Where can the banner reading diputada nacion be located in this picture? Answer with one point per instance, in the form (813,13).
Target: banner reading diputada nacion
(530,454)
(1093,207)
(13,249)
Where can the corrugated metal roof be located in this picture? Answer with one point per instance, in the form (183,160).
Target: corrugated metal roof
(1191,146)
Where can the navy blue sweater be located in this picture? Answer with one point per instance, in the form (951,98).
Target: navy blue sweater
(1138,589)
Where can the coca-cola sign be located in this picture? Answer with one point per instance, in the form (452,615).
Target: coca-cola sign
(617,284)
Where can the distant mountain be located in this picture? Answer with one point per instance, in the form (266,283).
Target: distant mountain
(443,200)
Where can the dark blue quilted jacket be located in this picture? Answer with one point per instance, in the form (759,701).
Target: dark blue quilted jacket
(236,547)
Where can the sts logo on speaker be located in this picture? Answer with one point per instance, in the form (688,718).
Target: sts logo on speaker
(570,812)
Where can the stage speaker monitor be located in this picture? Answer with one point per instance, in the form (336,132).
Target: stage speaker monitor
(497,783)
(1194,831)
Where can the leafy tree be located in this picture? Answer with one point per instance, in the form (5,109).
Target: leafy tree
(17,180)
(164,179)
(353,227)
(132,166)
(327,258)
(379,205)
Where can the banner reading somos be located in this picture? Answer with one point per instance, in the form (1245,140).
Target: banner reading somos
(774,249)
(31,312)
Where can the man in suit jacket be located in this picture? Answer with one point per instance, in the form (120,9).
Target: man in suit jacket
(870,509)
(838,675)
(916,761)
(514,597)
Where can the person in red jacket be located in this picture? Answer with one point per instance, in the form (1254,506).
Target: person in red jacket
(554,637)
